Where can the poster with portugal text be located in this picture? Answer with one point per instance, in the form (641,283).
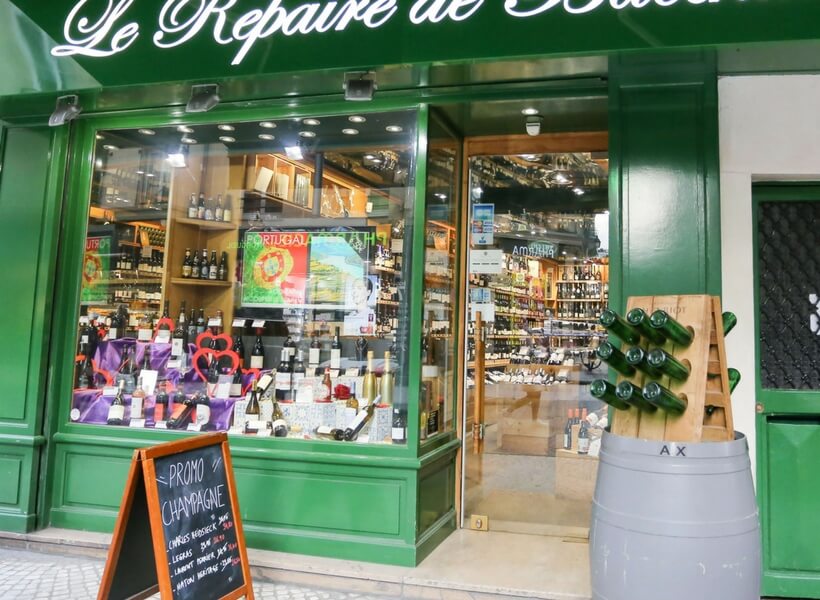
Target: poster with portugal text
(275,269)
(95,270)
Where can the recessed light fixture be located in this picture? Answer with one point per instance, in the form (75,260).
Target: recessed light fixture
(99,136)
(529,111)
(147,131)
(441,196)
(394,128)
(267,125)
(188,140)
(110,147)
(369,157)
(356,119)
(312,122)
(149,174)
(184,129)
(226,138)
(226,127)
(578,192)
(307,134)
(266,136)
(140,172)
(350,131)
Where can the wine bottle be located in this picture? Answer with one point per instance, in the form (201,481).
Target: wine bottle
(126,374)
(314,353)
(398,431)
(299,372)
(137,401)
(213,267)
(85,371)
(201,323)
(179,339)
(146,358)
(605,391)
(583,438)
(183,408)
(568,431)
(252,412)
(387,381)
(116,412)
(680,334)
(187,264)
(236,384)
(204,267)
(636,356)
(351,405)
(219,211)
(336,352)
(638,318)
(361,419)
(329,433)
(729,322)
(631,394)
(661,397)
(369,382)
(200,207)
(280,428)
(191,326)
(290,346)
(734,378)
(196,266)
(615,359)
(668,364)
(203,410)
(227,217)
(283,381)
(222,271)
(209,210)
(615,325)
(258,353)
(193,209)
(328,387)
(161,403)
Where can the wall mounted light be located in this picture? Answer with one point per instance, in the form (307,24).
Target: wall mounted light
(360,86)
(68,107)
(203,98)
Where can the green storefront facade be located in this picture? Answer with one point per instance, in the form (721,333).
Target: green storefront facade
(655,65)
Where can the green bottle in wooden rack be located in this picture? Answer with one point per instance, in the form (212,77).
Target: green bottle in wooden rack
(729,322)
(734,379)
(636,356)
(668,364)
(605,391)
(664,398)
(638,318)
(680,334)
(627,392)
(615,359)
(615,325)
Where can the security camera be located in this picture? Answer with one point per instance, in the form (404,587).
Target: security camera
(534,125)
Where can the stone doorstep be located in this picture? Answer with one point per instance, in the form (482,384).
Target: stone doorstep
(297,569)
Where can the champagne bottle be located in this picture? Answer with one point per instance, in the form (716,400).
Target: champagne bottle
(364,416)
(615,325)
(284,380)
(631,394)
(187,264)
(668,364)
(605,391)
(161,403)
(369,382)
(258,353)
(663,398)
(329,433)
(615,359)
(116,412)
(734,379)
(213,267)
(336,352)
(387,381)
(680,334)
(636,356)
(729,322)
(638,318)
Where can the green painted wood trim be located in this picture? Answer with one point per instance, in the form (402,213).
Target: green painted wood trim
(435,535)
(17,523)
(24,441)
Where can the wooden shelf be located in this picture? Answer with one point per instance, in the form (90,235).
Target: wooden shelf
(439,279)
(489,364)
(384,270)
(584,281)
(578,300)
(117,281)
(386,303)
(200,282)
(211,225)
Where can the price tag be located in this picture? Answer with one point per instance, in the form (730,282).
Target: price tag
(264,432)
(163,337)
(256,425)
(351,372)
(397,246)
(236,431)
(149,381)
(223,387)
(214,322)
(109,391)
(161,425)
(368,208)
(173,363)
(83,320)
(138,423)
(144,335)
(258,323)
(334,373)
(194,427)
(239,322)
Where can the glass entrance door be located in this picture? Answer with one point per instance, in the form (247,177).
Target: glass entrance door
(538,273)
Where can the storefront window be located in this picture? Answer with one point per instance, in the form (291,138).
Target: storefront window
(250,277)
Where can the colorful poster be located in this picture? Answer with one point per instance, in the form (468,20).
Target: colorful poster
(482,226)
(275,269)
(338,270)
(95,270)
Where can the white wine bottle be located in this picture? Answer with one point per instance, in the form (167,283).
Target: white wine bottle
(364,416)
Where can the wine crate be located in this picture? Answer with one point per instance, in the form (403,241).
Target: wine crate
(708,415)
(575,475)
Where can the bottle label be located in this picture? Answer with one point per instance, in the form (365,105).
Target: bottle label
(112,333)
(192,212)
(398,434)
(203,414)
(567,441)
(236,389)
(226,215)
(212,272)
(583,445)
(176,347)
(144,335)
(136,407)
(313,356)
(257,361)
(186,270)
(336,359)
(116,412)
(282,382)
(297,379)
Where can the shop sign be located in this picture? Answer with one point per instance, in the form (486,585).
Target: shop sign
(486,262)
(529,249)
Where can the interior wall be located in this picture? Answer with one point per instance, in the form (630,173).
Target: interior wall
(769,129)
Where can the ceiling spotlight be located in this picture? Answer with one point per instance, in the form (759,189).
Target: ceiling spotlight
(147,131)
(184,129)
(188,140)
(110,147)
(359,86)
(203,98)
(394,128)
(356,119)
(369,156)
(350,131)
(529,111)
(294,152)
(311,122)
(267,125)
(578,192)
(307,134)
(266,136)
(67,109)
(98,136)
(226,138)
(226,127)
(149,174)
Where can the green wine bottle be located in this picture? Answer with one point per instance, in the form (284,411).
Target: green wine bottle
(729,322)
(664,398)
(668,364)
(615,358)
(615,325)
(627,392)
(680,334)
(638,318)
(605,391)
(636,356)
(734,379)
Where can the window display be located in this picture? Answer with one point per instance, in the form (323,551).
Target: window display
(250,277)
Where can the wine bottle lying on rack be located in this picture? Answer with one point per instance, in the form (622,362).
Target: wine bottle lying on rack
(615,359)
(627,392)
(636,356)
(664,398)
(605,391)
(638,318)
(615,325)
(668,364)
(682,335)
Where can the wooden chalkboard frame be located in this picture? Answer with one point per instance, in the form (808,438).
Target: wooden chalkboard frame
(142,474)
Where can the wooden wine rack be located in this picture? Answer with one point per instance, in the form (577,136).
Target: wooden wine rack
(708,416)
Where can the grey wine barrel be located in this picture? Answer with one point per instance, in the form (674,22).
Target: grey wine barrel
(674,521)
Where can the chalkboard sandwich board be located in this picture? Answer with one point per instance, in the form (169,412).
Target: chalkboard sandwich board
(178,531)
